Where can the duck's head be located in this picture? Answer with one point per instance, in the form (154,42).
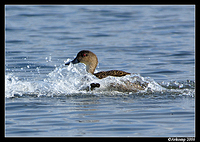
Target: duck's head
(88,58)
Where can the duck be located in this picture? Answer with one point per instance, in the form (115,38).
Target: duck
(91,61)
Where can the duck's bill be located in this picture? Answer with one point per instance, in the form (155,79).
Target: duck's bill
(75,61)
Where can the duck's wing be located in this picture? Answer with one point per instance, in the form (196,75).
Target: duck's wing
(116,73)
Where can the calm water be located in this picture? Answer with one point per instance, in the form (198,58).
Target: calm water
(45,98)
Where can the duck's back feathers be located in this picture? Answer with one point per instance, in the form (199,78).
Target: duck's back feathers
(116,73)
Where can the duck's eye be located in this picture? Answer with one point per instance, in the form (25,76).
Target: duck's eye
(84,55)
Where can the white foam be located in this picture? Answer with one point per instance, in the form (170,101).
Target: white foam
(74,79)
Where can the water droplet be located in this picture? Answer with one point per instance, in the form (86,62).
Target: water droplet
(37,69)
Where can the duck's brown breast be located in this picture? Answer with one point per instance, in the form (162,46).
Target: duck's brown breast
(115,73)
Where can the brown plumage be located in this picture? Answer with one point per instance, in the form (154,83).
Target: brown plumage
(90,60)
(115,73)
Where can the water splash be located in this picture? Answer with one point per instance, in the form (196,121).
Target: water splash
(73,79)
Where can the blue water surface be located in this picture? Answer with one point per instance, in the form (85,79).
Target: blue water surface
(155,41)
